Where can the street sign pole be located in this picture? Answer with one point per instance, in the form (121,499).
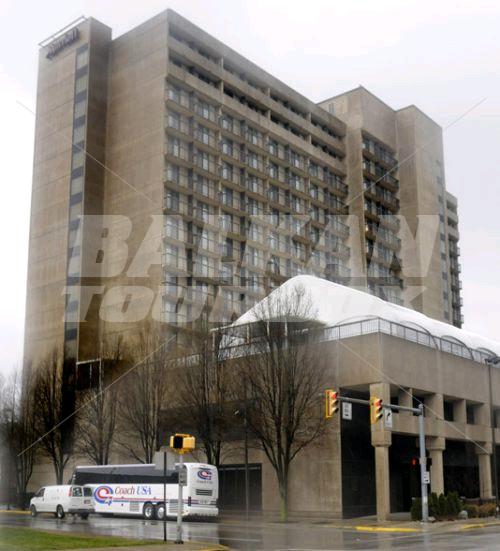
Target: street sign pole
(180,505)
(165,495)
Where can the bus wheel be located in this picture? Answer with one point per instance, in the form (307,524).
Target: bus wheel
(160,511)
(148,511)
(60,512)
(33,511)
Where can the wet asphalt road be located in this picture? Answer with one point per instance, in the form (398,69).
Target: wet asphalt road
(257,535)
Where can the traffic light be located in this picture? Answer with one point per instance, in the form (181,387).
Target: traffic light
(331,403)
(182,443)
(376,409)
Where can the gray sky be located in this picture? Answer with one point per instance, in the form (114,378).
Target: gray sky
(442,56)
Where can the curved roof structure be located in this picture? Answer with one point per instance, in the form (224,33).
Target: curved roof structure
(334,304)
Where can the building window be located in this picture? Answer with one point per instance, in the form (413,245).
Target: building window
(80,108)
(172,227)
(448,411)
(471,417)
(172,200)
(81,84)
(82,58)
(174,120)
(79,134)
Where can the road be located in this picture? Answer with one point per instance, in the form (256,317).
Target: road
(257,535)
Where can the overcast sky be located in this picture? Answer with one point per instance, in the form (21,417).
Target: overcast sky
(442,56)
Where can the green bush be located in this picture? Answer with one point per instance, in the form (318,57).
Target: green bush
(440,507)
(416,509)
(443,506)
(434,505)
(454,504)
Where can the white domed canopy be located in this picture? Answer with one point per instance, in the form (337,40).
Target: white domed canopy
(334,304)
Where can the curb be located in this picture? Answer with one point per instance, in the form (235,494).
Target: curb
(14,512)
(479,525)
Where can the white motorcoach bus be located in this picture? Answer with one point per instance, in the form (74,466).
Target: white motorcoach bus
(138,490)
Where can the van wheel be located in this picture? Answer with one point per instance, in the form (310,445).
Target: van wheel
(84,516)
(160,511)
(148,511)
(60,512)
(33,511)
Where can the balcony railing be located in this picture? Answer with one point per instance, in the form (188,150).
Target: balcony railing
(239,343)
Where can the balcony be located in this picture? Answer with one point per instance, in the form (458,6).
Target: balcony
(337,271)
(383,236)
(381,195)
(255,186)
(337,185)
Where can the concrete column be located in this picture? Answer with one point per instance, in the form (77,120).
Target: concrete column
(405,399)
(382,482)
(434,404)
(381,440)
(459,411)
(434,412)
(484,464)
(436,446)
(497,418)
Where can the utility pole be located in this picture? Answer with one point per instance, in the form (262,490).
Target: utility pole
(247,471)
(181,443)
(165,495)
(180,505)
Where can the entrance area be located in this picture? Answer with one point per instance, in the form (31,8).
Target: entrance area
(232,487)
(404,472)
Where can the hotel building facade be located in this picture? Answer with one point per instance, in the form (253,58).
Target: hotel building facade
(174,178)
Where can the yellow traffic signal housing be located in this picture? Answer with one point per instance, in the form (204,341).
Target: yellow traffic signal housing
(376,409)
(331,403)
(182,443)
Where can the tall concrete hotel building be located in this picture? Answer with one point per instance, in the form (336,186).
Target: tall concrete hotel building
(174,178)
(260,183)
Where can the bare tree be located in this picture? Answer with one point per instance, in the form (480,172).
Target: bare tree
(283,376)
(18,430)
(97,408)
(205,391)
(143,394)
(50,413)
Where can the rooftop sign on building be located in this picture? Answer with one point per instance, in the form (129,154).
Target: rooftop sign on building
(65,40)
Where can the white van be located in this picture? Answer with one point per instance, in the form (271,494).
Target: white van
(59,500)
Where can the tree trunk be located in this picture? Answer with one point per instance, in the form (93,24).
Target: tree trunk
(283,490)
(59,470)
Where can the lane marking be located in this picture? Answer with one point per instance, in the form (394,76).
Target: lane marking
(401,529)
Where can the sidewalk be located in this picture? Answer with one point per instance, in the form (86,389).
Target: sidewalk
(400,523)
(169,546)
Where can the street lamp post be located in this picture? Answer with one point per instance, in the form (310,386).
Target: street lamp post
(490,362)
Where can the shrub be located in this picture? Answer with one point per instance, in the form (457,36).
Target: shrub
(486,510)
(454,504)
(416,509)
(443,506)
(433,505)
(472,510)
